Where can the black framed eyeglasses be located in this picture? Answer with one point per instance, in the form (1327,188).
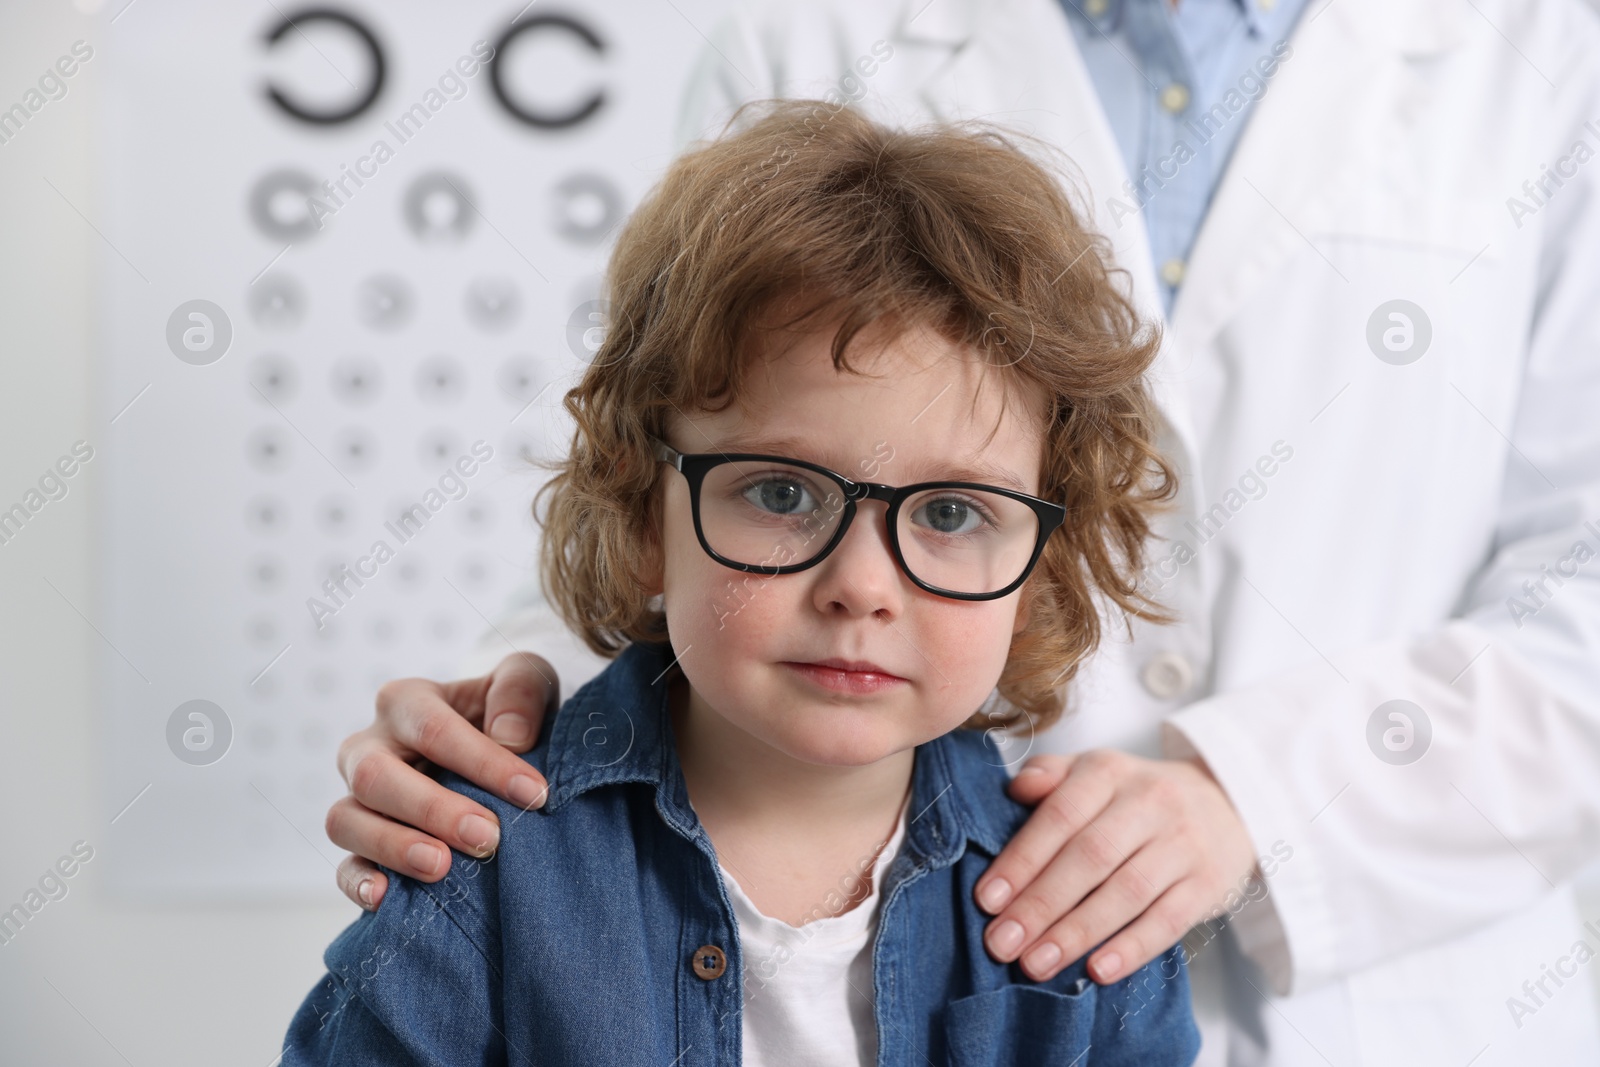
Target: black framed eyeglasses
(774,515)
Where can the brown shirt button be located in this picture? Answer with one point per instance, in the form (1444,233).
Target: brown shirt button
(709,962)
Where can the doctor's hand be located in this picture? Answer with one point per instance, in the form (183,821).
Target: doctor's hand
(471,727)
(1117,845)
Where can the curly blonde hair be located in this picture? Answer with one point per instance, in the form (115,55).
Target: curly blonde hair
(949,226)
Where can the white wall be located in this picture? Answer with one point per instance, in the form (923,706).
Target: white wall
(87,982)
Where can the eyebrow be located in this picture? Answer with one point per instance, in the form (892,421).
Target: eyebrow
(986,473)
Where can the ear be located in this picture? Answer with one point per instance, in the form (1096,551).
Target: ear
(651,570)
(1024,608)
(652,556)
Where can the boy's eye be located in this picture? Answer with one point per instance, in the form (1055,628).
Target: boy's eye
(781,496)
(949,515)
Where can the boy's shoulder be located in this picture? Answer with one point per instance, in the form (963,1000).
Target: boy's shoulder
(604,734)
(977,772)
(609,731)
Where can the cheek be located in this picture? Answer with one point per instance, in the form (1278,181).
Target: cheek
(726,613)
(731,612)
(968,645)
(726,627)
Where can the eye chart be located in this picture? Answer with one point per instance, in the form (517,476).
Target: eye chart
(350,263)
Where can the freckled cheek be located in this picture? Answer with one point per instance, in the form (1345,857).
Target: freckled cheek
(968,646)
(698,600)
(729,633)
(732,615)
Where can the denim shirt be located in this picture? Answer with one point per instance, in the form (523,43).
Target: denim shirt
(588,938)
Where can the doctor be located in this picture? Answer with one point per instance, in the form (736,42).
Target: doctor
(1372,230)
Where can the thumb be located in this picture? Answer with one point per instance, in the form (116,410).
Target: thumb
(522,690)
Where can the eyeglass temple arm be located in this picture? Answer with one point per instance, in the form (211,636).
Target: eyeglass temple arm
(666,453)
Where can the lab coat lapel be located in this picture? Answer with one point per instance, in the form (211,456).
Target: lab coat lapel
(1312,137)
(1017,63)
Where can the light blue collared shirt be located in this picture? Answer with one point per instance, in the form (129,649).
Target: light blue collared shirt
(1178,85)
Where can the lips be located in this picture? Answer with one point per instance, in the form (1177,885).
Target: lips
(846,675)
(854,666)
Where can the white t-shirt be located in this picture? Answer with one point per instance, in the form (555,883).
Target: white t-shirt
(808,989)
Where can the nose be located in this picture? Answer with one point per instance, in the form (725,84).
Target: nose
(860,576)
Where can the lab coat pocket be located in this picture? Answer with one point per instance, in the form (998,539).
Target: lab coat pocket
(1021,1024)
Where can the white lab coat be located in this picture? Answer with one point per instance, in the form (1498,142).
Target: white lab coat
(1415,499)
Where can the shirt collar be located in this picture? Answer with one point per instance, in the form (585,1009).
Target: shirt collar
(617,729)
(1105,15)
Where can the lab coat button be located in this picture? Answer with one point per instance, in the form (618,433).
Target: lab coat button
(1167,675)
(1175,97)
(1172,272)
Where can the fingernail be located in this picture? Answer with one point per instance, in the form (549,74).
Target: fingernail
(1043,958)
(1107,967)
(481,835)
(364,891)
(993,896)
(525,792)
(511,730)
(1030,769)
(424,858)
(1007,937)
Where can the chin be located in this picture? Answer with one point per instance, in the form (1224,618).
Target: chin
(840,743)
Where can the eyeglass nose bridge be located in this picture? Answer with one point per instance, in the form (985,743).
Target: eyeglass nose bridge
(854,493)
(859,491)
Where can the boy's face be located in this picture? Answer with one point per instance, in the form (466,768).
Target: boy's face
(744,640)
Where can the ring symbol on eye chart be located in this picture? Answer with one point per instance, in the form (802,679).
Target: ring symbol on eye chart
(364,99)
(587,206)
(493,304)
(277,302)
(384,302)
(438,207)
(280,205)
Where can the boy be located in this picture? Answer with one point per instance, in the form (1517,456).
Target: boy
(865,453)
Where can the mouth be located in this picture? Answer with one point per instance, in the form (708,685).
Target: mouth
(846,676)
